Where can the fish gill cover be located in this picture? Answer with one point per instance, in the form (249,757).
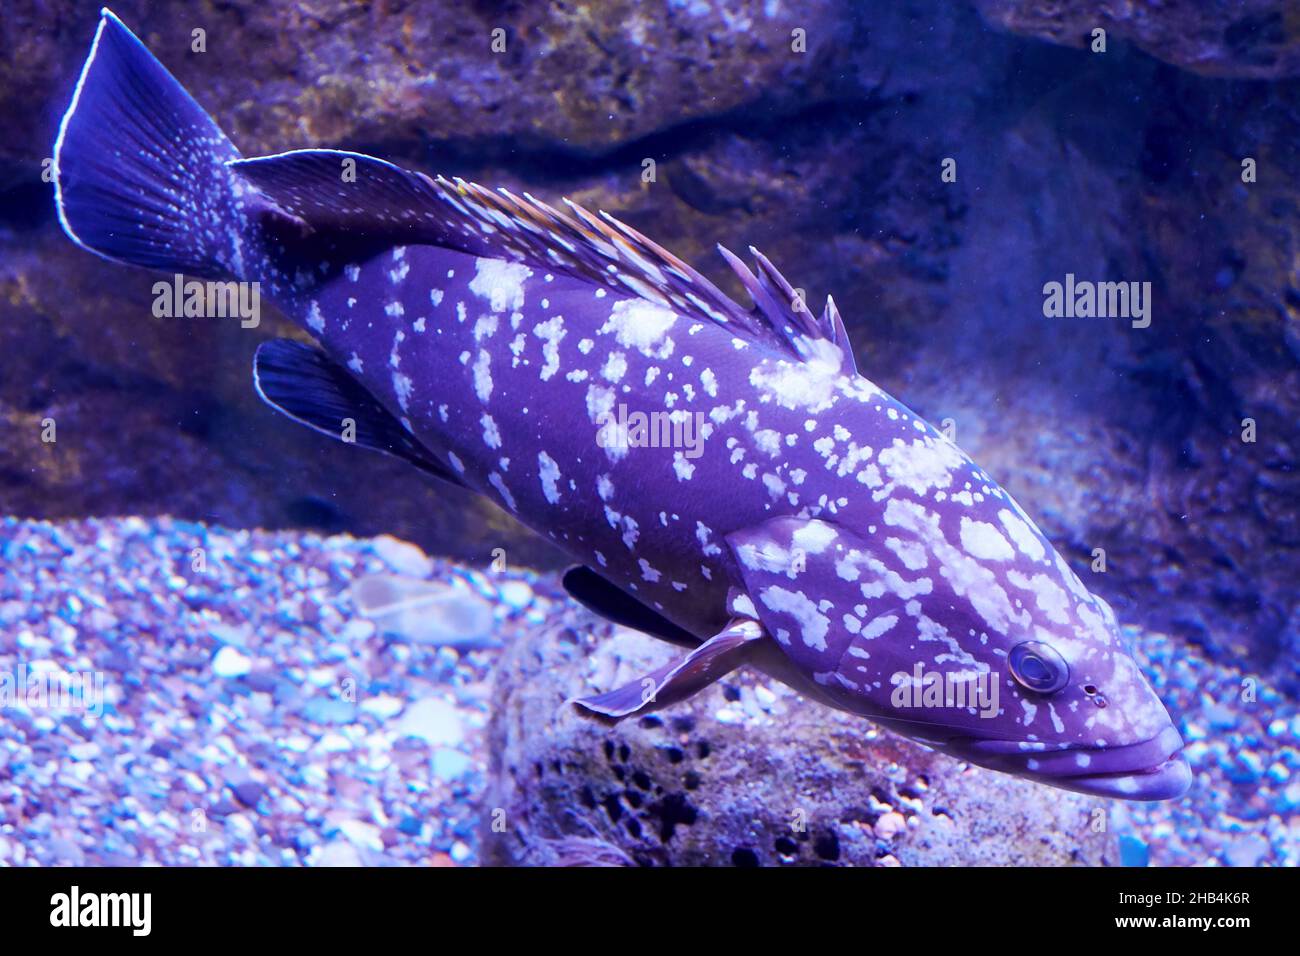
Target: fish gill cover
(722,469)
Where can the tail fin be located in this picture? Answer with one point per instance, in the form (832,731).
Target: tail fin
(140,168)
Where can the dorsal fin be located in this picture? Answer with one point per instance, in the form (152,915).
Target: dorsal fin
(832,322)
(785,315)
(600,249)
(383,200)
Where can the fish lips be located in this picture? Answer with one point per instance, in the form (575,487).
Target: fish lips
(1152,769)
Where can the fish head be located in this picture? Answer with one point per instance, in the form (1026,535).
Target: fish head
(1076,710)
(1009,664)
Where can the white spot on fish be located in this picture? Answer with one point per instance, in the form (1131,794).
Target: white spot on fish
(922,464)
(813,624)
(1023,535)
(641,325)
(500,282)
(491,435)
(683,468)
(615,367)
(769,441)
(314,317)
(483,376)
(486,326)
(549,472)
(402,387)
(982,540)
(879,626)
(496,482)
(550,332)
(814,537)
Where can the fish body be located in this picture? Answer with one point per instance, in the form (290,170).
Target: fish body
(778,510)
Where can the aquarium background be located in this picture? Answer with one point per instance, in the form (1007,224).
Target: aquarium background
(201,554)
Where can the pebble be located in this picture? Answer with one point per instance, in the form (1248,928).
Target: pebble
(450,764)
(364,835)
(405,761)
(402,556)
(329,710)
(433,720)
(226,634)
(516,594)
(228,662)
(308,693)
(383,706)
(338,853)
(1247,850)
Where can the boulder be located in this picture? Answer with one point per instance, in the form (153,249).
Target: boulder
(746,773)
(1246,38)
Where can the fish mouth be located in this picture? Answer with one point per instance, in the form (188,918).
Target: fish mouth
(1149,770)
(1168,780)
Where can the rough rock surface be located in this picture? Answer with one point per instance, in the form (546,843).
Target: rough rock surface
(590,76)
(1111,167)
(745,773)
(1244,38)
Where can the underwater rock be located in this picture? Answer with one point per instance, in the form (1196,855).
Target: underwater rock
(428,612)
(1247,38)
(745,773)
(579,77)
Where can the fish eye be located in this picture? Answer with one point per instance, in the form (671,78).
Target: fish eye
(1038,667)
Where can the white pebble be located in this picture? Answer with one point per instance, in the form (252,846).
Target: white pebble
(228,662)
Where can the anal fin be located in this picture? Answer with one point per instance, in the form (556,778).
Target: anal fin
(303,383)
(679,679)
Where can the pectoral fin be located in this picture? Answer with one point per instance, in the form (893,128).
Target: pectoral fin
(679,679)
(599,596)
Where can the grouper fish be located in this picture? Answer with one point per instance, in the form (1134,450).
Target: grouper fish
(725,478)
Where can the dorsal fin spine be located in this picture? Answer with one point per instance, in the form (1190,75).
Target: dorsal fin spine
(597,248)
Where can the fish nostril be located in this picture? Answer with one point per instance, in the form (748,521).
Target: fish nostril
(1090,689)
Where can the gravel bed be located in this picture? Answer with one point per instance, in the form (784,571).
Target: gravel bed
(237,708)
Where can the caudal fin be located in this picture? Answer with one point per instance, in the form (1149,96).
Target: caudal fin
(140,168)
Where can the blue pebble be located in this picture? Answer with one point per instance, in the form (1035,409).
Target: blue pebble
(329,710)
(1133,851)
(449,764)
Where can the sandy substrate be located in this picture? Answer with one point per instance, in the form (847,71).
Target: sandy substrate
(249,715)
